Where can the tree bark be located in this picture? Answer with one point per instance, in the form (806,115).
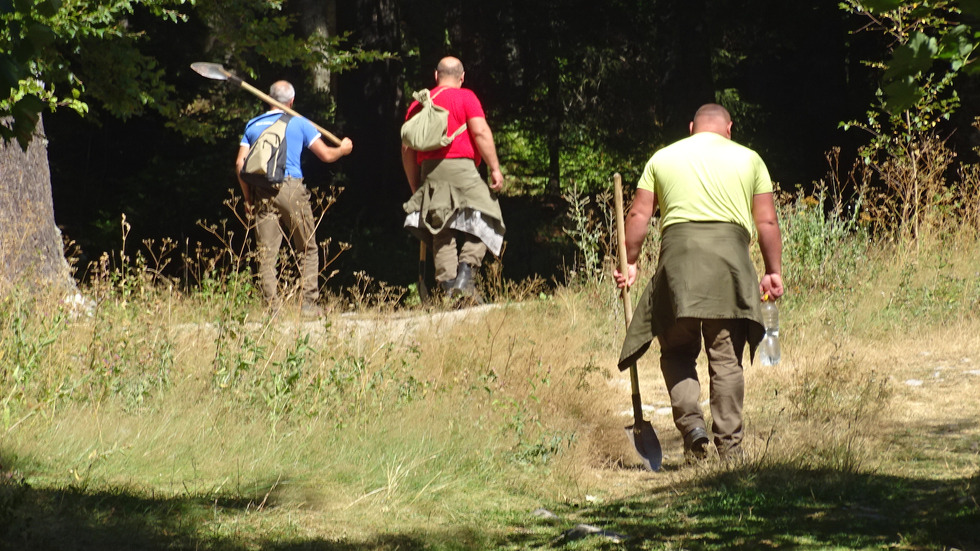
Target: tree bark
(31,250)
(319,18)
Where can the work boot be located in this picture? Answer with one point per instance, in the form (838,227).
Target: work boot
(696,444)
(465,284)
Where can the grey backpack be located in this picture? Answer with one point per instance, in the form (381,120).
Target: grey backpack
(265,164)
(428,129)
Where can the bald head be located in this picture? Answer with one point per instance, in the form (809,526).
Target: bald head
(712,117)
(449,72)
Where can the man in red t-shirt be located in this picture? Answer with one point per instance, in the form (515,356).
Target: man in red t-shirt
(451,206)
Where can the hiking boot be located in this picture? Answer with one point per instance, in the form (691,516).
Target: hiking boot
(310,310)
(465,284)
(696,444)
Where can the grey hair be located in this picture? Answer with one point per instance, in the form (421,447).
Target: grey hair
(282,91)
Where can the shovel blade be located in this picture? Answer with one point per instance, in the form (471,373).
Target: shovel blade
(644,438)
(210,70)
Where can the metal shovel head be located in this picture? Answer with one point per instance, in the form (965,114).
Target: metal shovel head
(644,439)
(210,70)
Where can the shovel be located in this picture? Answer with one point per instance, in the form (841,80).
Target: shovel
(641,433)
(217,72)
(423,287)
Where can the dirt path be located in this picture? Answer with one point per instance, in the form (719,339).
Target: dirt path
(395,328)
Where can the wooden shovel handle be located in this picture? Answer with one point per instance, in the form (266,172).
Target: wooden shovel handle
(621,239)
(272,101)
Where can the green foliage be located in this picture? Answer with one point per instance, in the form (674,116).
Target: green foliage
(130,353)
(936,298)
(591,233)
(57,53)
(73,54)
(237,350)
(526,161)
(278,391)
(929,51)
(27,340)
(823,243)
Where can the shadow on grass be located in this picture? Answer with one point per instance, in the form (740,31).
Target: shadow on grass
(775,507)
(75,519)
(786,508)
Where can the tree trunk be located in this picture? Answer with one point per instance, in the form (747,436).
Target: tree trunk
(319,18)
(31,251)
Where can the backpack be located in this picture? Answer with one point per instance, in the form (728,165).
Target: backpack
(428,129)
(265,164)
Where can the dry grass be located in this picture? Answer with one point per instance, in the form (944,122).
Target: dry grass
(455,424)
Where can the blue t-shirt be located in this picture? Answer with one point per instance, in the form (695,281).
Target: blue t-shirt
(300,134)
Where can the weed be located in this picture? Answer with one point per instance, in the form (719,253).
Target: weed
(27,343)
(823,243)
(591,236)
(368,292)
(279,390)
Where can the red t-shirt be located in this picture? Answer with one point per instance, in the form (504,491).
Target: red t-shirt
(463,105)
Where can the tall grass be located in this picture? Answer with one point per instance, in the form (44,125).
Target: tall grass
(207,423)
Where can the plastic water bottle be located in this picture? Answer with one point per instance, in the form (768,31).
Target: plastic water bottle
(769,347)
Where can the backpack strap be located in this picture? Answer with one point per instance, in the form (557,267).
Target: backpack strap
(433,96)
(459,130)
(284,117)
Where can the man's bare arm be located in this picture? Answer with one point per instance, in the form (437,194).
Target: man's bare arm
(239,164)
(483,138)
(770,243)
(637,222)
(329,154)
(411,167)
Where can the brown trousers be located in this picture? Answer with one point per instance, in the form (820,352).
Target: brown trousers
(724,342)
(286,214)
(445,257)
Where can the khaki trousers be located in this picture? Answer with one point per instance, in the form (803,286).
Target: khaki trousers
(286,214)
(724,342)
(446,258)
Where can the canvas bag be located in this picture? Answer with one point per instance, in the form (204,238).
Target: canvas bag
(265,164)
(428,129)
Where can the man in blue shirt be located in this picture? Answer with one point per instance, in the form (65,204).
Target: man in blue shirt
(285,209)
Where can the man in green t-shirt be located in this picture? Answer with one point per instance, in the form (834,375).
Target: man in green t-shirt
(713,195)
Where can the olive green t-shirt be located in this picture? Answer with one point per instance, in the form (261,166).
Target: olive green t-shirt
(706,178)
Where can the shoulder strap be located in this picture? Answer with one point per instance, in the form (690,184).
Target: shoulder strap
(433,96)
(462,127)
(460,130)
(284,119)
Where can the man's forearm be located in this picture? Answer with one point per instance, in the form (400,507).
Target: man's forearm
(411,168)
(636,232)
(487,149)
(771,246)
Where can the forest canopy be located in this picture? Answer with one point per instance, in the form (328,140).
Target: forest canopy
(573,91)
